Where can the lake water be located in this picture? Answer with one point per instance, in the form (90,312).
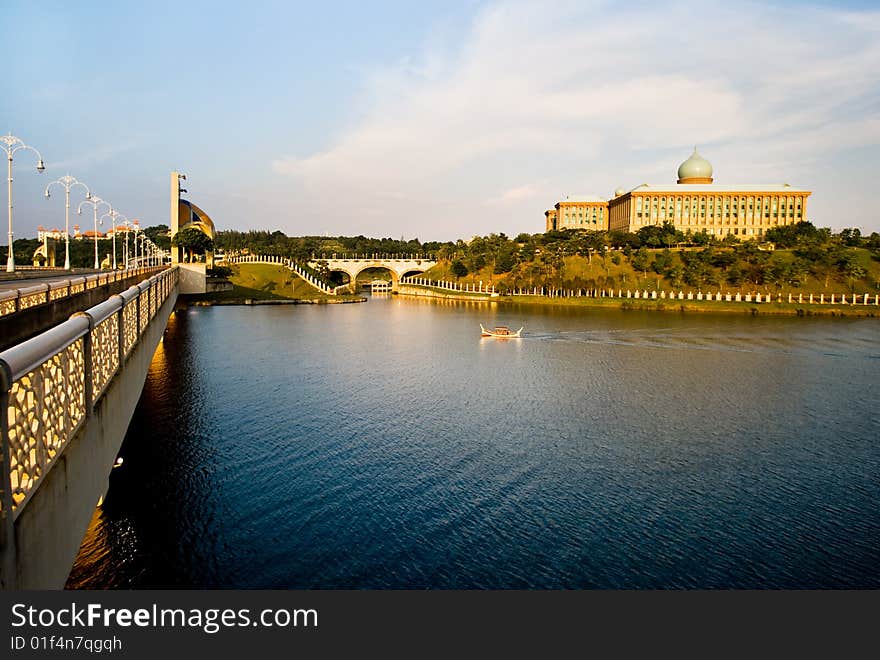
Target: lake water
(386,445)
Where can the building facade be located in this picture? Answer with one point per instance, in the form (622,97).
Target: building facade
(697,204)
(578,213)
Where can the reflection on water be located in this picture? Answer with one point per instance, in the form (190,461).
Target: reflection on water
(388,445)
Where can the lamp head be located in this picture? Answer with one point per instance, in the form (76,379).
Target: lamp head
(40,166)
(47,194)
(89,194)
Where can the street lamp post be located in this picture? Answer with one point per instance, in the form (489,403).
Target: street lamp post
(95,202)
(67,182)
(137,234)
(112,215)
(125,224)
(144,240)
(11,144)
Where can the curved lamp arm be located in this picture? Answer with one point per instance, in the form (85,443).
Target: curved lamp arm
(94,201)
(13,144)
(67,182)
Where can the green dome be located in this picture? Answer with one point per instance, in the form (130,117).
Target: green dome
(695,167)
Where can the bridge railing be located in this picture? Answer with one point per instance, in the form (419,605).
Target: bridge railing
(287,263)
(644,294)
(467,287)
(51,384)
(375,256)
(25,297)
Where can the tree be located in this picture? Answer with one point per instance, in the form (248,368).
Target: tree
(159,234)
(734,275)
(849,266)
(641,260)
(194,240)
(505,262)
(662,262)
(459,269)
(851,237)
(701,238)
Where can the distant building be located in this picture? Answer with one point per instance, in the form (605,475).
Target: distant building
(694,203)
(578,213)
(43,233)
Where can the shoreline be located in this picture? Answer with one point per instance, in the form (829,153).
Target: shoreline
(250,302)
(680,306)
(625,304)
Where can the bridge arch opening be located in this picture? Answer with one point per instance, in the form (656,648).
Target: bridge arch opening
(338,277)
(362,277)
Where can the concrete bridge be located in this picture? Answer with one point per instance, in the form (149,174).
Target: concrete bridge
(397,266)
(66,400)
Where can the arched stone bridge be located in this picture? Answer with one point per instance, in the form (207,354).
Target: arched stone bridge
(354,266)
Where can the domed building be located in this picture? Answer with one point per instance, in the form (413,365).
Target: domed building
(695,203)
(695,169)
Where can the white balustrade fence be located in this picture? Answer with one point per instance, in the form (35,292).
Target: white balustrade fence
(287,263)
(375,256)
(50,384)
(487,289)
(756,297)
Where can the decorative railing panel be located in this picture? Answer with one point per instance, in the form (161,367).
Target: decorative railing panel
(7,305)
(143,311)
(44,383)
(105,354)
(46,407)
(129,326)
(58,293)
(32,299)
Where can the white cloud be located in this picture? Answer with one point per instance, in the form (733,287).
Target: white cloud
(519,194)
(95,155)
(588,99)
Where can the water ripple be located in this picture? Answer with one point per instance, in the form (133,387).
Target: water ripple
(385,446)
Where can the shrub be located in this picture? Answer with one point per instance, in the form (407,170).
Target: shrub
(219,271)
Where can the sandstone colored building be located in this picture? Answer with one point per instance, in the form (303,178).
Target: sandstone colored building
(694,203)
(578,213)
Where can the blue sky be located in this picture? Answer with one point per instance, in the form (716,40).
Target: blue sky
(435,120)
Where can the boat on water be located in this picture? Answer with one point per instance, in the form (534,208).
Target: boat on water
(501,331)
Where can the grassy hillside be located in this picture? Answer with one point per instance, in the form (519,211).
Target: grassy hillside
(268,282)
(688,269)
